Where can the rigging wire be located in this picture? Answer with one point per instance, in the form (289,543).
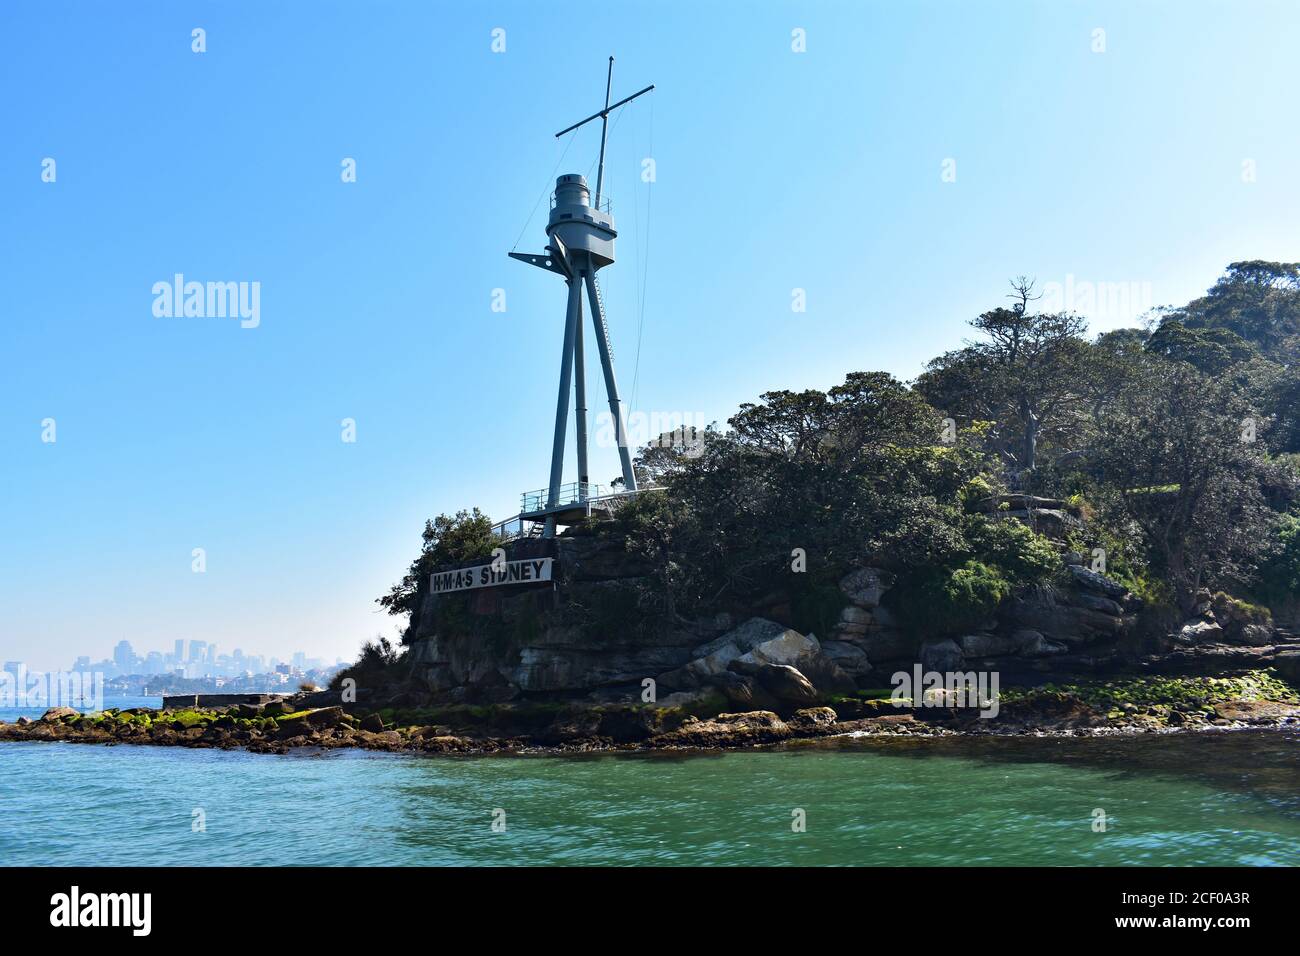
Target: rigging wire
(643,263)
(550,184)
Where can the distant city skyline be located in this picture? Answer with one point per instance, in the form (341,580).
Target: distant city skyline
(187,659)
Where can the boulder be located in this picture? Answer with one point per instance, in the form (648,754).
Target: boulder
(1094,602)
(1195,632)
(790,647)
(1097,582)
(1255,635)
(726,730)
(888,645)
(1287,663)
(848,657)
(372,723)
(737,688)
(325,717)
(785,683)
(1061,622)
(1033,644)
(756,630)
(680,679)
(828,677)
(58,713)
(883,616)
(686,699)
(1229,611)
(987,645)
(715,662)
(813,717)
(941,656)
(757,641)
(852,614)
(865,586)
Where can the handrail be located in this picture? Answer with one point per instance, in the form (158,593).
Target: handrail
(512,528)
(605,205)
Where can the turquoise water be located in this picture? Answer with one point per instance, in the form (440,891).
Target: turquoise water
(1204,799)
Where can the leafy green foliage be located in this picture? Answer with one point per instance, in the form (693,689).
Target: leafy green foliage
(1176,465)
(856,471)
(997,556)
(1210,350)
(1280,575)
(1025,374)
(447,540)
(1142,431)
(1017,552)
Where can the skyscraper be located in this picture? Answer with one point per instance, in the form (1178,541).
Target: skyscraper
(124,657)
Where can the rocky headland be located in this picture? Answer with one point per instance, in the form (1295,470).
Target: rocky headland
(1143,705)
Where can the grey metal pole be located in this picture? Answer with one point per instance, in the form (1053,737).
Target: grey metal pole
(580,394)
(604,126)
(611,386)
(562,402)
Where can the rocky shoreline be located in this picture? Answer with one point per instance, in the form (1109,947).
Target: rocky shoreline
(1142,705)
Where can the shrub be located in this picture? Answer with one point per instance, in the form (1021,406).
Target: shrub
(1279,577)
(1023,556)
(816,608)
(447,540)
(376,656)
(942,601)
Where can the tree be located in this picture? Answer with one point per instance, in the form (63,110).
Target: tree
(837,474)
(447,540)
(1256,300)
(1246,325)
(1179,465)
(1026,375)
(1210,350)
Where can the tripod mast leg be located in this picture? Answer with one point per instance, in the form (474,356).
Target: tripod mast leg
(562,402)
(611,386)
(580,394)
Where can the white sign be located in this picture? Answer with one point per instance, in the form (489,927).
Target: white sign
(526,571)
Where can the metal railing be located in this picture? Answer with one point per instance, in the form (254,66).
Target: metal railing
(571,493)
(510,528)
(605,205)
(534,502)
(517,527)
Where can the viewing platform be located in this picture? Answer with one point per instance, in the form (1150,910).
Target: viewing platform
(575,502)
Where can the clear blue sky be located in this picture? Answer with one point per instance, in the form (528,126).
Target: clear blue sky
(775,170)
